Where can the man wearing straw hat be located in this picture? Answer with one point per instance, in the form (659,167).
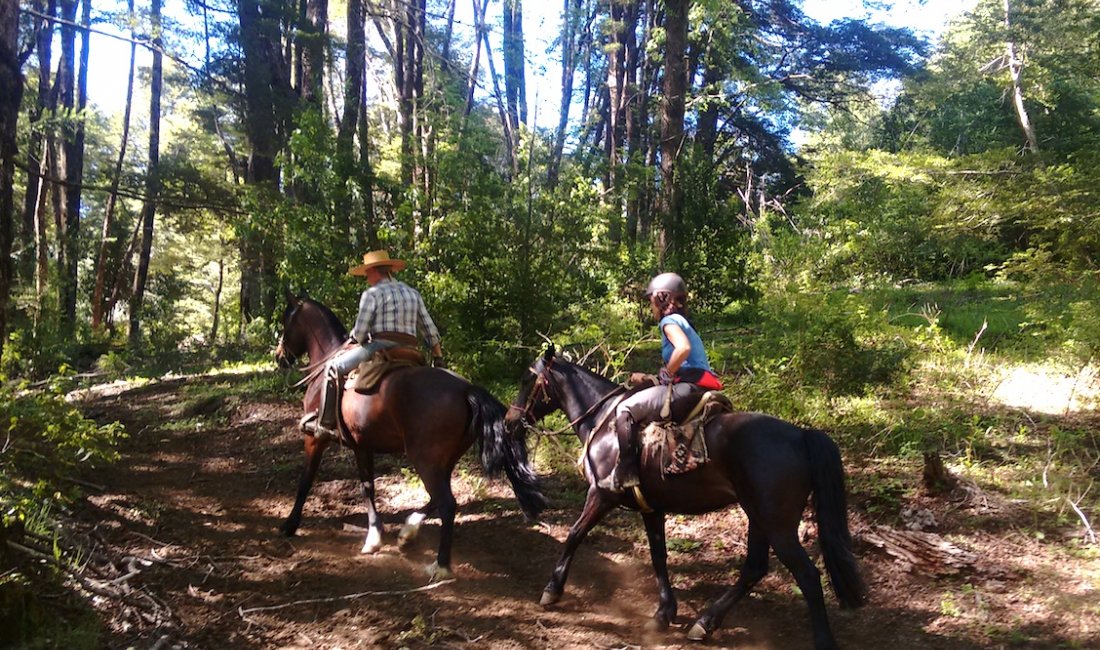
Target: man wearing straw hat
(390,315)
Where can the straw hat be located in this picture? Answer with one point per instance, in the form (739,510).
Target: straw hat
(376,258)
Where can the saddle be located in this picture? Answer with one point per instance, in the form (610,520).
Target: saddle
(369,374)
(679,446)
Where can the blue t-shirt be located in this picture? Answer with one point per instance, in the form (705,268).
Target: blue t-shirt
(697,359)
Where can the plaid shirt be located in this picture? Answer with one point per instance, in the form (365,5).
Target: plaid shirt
(393,306)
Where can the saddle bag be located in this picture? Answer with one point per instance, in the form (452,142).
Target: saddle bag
(381,363)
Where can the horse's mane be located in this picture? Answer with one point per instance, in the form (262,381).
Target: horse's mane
(331,318)
(596,376)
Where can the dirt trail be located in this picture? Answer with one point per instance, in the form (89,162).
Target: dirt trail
(203,486)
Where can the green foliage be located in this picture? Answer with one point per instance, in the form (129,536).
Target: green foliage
(46,442)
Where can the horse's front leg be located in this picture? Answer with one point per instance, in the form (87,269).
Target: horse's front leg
(658,553)
(313,450)
(364,461)
(596,508)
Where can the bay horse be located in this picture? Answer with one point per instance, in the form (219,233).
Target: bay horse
(767,466)
(430,415)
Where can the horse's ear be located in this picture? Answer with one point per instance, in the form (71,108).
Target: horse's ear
(291,299)
(549,354)
(305,295)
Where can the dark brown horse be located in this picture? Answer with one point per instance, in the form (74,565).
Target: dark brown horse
(768,466)
(430,415)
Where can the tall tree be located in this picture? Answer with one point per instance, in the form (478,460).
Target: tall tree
(72,97)
(99,305)
(11,92)
(268,106)
(152,179)
(672,125)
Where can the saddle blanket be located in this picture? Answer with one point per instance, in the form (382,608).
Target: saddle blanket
(681,448)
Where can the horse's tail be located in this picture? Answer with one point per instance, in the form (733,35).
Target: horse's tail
(501,450)
(830,503)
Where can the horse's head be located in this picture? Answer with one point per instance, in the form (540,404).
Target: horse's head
(292,342)
(538,393)
(309,328)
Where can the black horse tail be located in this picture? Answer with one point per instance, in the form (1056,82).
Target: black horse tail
(830,503)
(501,450)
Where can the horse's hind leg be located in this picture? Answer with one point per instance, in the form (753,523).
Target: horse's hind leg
(364,461)
(790,553)
(313,451)
(658,553)
(438,484)
(752,571)
(595,509)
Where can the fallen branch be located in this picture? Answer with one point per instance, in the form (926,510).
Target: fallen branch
(363,594)
(922,552)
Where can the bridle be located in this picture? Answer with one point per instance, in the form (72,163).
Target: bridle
(542,388)
(315,368)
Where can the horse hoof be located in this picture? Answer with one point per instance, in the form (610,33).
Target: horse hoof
(658,623)
(549,598)
(407,536)
(372,543)
(411,530)
(286,530)
(697,632)
(438,573)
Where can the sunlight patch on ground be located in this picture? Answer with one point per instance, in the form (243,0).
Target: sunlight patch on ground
(1047,389)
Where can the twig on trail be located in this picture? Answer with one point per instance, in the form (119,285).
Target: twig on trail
(1089,533)
(90,486)
(146,537)
(310,601)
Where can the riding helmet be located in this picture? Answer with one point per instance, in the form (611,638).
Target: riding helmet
(670,282)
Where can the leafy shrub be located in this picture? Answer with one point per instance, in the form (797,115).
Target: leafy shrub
(46,442)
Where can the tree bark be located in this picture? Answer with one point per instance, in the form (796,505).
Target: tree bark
(11,92)
(152,182)
(672,127)
(98,304)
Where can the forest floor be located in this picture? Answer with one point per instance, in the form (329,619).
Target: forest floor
(203,485)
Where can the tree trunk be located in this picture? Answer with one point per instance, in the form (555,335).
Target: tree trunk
(515,83)
(355,69)
(70,163)
(152,182)
(312,34)
(1016,69)
(268,102)
(475,62)
(11,91)
(36,157)
(672,127)
(98,304)
(509,138)
(571,15)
